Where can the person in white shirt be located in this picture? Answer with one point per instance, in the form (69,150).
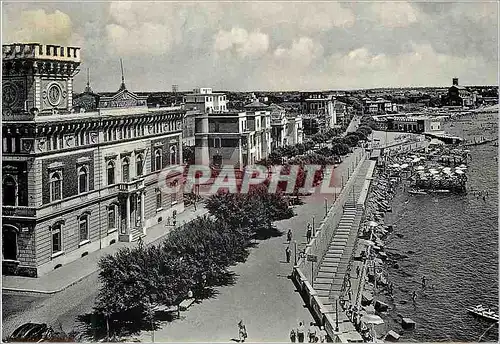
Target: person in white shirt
(322,334)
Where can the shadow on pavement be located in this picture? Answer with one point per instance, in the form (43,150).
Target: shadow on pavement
(92,326)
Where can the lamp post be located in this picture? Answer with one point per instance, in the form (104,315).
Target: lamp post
(295,250)
(314,231)
(336,316)
(326,206)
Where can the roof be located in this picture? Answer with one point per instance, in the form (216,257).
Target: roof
(256,104)
(458,87)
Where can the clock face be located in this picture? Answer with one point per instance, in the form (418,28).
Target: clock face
(10,95)
(54,94)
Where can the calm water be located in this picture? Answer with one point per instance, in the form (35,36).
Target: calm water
(453,241)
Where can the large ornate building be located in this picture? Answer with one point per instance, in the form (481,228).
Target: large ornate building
(76,179)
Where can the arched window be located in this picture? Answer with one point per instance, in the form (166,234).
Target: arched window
(82,137)
(158,160)
(173,155)
(139,165)
(55,186)
(9,189)
(125,170)
(83,180)
(111,172)
(9,242)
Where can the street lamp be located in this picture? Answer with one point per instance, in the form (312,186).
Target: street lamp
(314,231)
(295,250)
(336,316)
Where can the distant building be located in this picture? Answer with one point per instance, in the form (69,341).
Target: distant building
(286,128)
(295,129)
(322,107)
(378,106)
(414,123)
(235,138)
(459,95)
(201,100)
(206,101)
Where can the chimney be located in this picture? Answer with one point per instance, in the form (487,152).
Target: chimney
(455,81)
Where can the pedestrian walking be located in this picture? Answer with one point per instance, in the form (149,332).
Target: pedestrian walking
(288,254)
(309,232)
(423,282)
(293,335)
(289,235)
(242,332)
(357,271)
(300,332)
(322,334)
(414,296)
(311,332)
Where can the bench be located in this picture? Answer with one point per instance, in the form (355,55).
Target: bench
(186,303)
(166,309)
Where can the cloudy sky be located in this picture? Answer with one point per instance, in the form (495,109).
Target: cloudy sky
(266,45)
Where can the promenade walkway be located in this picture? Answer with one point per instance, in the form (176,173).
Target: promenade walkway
(69,274)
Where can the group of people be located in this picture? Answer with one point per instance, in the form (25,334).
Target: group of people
(288,252)
(314,334)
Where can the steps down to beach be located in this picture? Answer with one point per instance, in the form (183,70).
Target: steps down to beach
(334,264)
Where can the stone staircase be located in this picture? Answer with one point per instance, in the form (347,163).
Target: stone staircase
(335,263)
(136,233)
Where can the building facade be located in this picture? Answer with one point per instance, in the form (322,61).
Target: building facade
(235,138)
(322,107)
(460,96)
(75,181)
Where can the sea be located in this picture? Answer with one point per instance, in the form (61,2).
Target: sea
(452,240)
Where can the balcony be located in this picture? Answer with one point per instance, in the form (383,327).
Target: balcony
(19,211)
(132,186)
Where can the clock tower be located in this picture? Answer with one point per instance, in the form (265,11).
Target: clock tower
(37,80)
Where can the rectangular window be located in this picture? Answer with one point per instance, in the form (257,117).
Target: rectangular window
(56,238)
(112,217)
(84,228)
(158,200)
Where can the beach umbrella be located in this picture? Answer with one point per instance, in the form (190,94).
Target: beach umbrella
(372,319)
(368,243)
(368,309)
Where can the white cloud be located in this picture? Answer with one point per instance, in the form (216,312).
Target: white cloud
(42,27)
(395,14)
(244,44)
(302,51)
(142,28)
(421,66)
(308,17)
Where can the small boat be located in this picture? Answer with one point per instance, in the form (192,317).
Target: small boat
(417,192)
(483,312)
(440,191)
